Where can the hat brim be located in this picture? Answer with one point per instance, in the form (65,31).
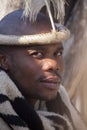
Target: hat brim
(38,39)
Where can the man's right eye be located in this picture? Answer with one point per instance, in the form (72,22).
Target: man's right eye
(35,54)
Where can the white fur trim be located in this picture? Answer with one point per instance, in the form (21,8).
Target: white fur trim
(78,122)
(44,38)
(48,124)
(19,128)
(44,113)
(6,108)
(3,125)
(7,87)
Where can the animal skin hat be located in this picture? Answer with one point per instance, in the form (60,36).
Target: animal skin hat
(31,10)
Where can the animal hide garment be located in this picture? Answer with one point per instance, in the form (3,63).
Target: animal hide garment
(17,114)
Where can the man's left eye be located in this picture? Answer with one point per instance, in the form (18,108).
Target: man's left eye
(59,53)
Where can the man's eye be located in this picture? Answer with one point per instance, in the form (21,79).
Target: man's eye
(36,54)
(59,53)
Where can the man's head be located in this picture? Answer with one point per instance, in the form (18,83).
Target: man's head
(36,69)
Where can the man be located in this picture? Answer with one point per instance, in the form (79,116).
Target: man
(31,65)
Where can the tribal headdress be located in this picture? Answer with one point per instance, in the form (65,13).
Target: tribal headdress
(31,10)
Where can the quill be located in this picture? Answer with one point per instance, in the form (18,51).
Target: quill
(33,7)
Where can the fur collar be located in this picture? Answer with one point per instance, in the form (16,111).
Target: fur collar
(17,114)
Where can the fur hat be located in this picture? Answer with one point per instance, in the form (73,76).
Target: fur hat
(31,10)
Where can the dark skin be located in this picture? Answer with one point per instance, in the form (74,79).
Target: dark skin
(35,69)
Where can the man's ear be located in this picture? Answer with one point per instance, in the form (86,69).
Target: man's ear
(4,61)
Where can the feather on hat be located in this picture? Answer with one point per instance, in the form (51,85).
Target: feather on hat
(31,10)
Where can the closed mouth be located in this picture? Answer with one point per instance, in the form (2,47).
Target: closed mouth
(51,82)
(50,79)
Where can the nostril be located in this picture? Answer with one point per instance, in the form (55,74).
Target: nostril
(48,65)
(57,68)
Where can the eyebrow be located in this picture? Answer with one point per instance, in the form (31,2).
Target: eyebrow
(60,48)
(38,47)
(43,47)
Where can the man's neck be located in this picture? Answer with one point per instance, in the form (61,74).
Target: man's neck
(32,101)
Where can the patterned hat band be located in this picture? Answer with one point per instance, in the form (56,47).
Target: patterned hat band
(38,39)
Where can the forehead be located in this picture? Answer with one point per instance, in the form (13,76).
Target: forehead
(46,48)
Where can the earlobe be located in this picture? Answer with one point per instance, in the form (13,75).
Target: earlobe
(4,62)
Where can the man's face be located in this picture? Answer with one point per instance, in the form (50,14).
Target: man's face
(37,70)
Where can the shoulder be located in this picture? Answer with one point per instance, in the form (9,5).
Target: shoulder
(75,115)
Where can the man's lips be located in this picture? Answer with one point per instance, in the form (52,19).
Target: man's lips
(50,79)
(50,82)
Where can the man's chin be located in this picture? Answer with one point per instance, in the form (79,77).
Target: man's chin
(48,97)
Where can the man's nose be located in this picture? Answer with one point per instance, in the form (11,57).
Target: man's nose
(50,64)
